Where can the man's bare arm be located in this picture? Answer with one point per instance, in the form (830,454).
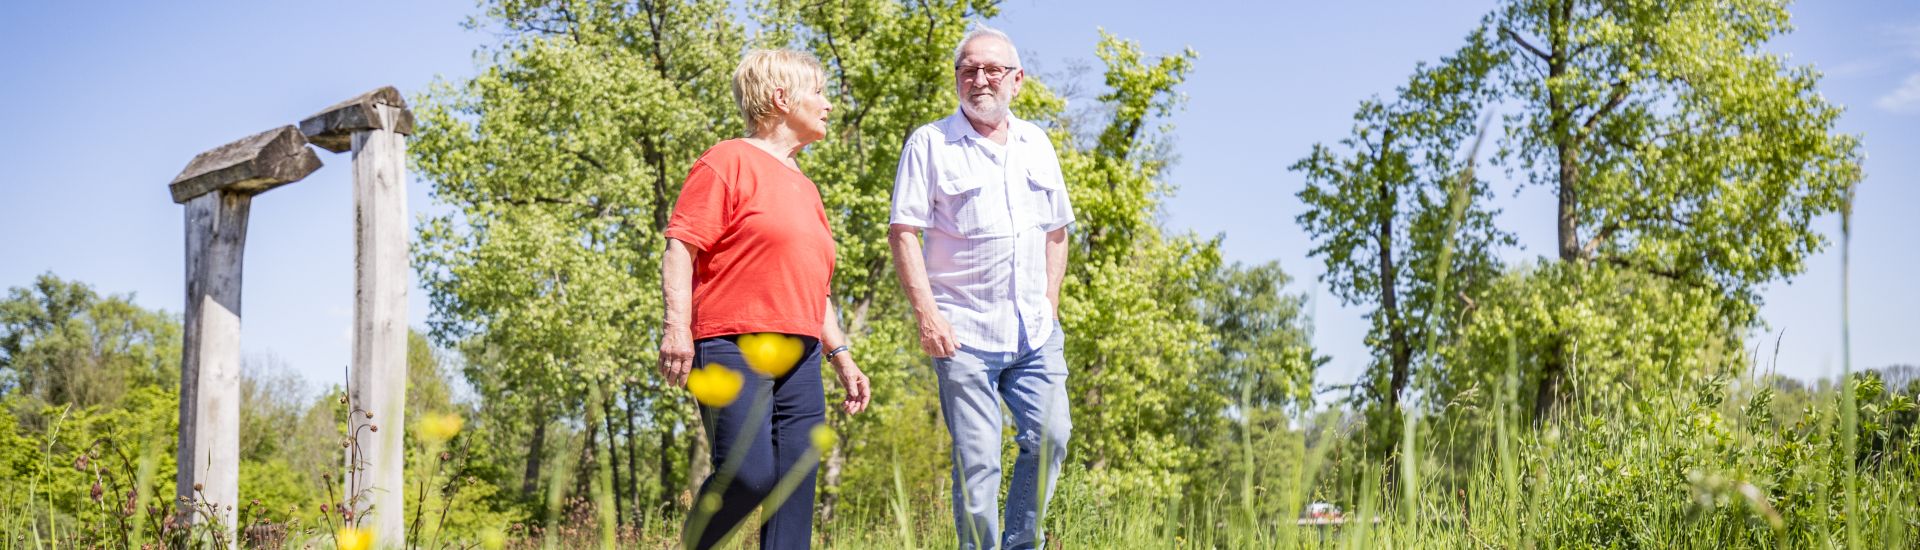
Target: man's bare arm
(936,336)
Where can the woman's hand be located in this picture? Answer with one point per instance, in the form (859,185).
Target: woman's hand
(676,355)
(859,390)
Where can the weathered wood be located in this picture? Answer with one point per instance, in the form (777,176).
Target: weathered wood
(249,166)
(378,382)
(209,448)
(333,128)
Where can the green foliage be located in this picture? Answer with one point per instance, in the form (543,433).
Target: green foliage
(561,161)
(1686,164)
(1676,147)
(82,375)
(1637,336)
(1379,214)
(63,343)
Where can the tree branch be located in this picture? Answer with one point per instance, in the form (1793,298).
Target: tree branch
(583,156)
(1523,43)
(1599,238)
(1614,99)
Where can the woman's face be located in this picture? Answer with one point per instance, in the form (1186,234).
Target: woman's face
(807,111)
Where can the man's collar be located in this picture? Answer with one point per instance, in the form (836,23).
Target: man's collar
(958,128)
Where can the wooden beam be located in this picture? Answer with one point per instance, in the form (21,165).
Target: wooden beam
(249,166)
(209,449)
(378,381)
(333,128)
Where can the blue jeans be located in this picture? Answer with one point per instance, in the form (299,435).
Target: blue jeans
(769,444)
(1033,384)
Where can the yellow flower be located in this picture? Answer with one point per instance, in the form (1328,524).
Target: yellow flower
(349,538)
(493,539)
(823,437)
(714,385)
(771,354)
(439,427)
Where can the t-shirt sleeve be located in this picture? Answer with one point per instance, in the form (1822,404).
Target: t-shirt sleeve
(1062,207)
(701,213)
(912,184)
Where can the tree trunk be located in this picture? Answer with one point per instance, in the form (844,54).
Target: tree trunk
(536,448)
(666,467)
(1093,406)
(1548,394)
(699,460)
(582,479)
(613,460)
(1400,352)
(835,465)
(633,456)
(1566,145)
(1566,139)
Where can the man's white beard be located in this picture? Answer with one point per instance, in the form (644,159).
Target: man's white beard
(994,115)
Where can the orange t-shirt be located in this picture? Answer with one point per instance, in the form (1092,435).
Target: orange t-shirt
(766,252)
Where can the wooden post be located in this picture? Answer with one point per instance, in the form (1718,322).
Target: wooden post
(374,126)
(217,188)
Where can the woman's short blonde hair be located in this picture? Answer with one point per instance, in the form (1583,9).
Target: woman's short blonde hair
(763,71)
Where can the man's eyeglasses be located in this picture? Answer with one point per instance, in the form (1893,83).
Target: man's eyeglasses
(993,72)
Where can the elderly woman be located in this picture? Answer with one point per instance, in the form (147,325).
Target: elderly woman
(748,261)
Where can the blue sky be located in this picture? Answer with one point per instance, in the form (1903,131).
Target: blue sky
(106,102)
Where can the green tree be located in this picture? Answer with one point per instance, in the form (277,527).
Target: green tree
(62,343)
(1680,153)
(561,161)
(1261,338)
(1378,214)
(82,375)
(1142,393)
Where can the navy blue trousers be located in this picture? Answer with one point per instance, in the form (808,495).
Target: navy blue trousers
(772,443)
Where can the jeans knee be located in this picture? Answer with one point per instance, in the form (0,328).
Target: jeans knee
(755,483)
(1057,437)
(1050,440)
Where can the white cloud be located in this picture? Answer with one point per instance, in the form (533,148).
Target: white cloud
(1905,99)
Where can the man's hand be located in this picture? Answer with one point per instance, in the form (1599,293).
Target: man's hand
(859,389)
(936,336)
(676,355)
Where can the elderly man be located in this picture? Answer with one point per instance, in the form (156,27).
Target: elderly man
(985,191)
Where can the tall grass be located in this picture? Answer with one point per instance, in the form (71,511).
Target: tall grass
(1730,460)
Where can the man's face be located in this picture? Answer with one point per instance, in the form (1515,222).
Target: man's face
(982,94)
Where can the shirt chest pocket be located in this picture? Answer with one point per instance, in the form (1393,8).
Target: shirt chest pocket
(973,207)
(1044,193)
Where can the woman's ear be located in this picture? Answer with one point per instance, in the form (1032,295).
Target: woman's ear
(780,100)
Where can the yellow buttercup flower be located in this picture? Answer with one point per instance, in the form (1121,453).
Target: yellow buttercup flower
(349,538)
(439,427)
(493,539)
(771,354)
(714,385)
(823,437)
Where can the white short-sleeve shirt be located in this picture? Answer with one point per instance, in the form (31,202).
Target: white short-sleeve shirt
(985,209)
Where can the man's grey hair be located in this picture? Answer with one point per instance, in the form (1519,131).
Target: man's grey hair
(981,30)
